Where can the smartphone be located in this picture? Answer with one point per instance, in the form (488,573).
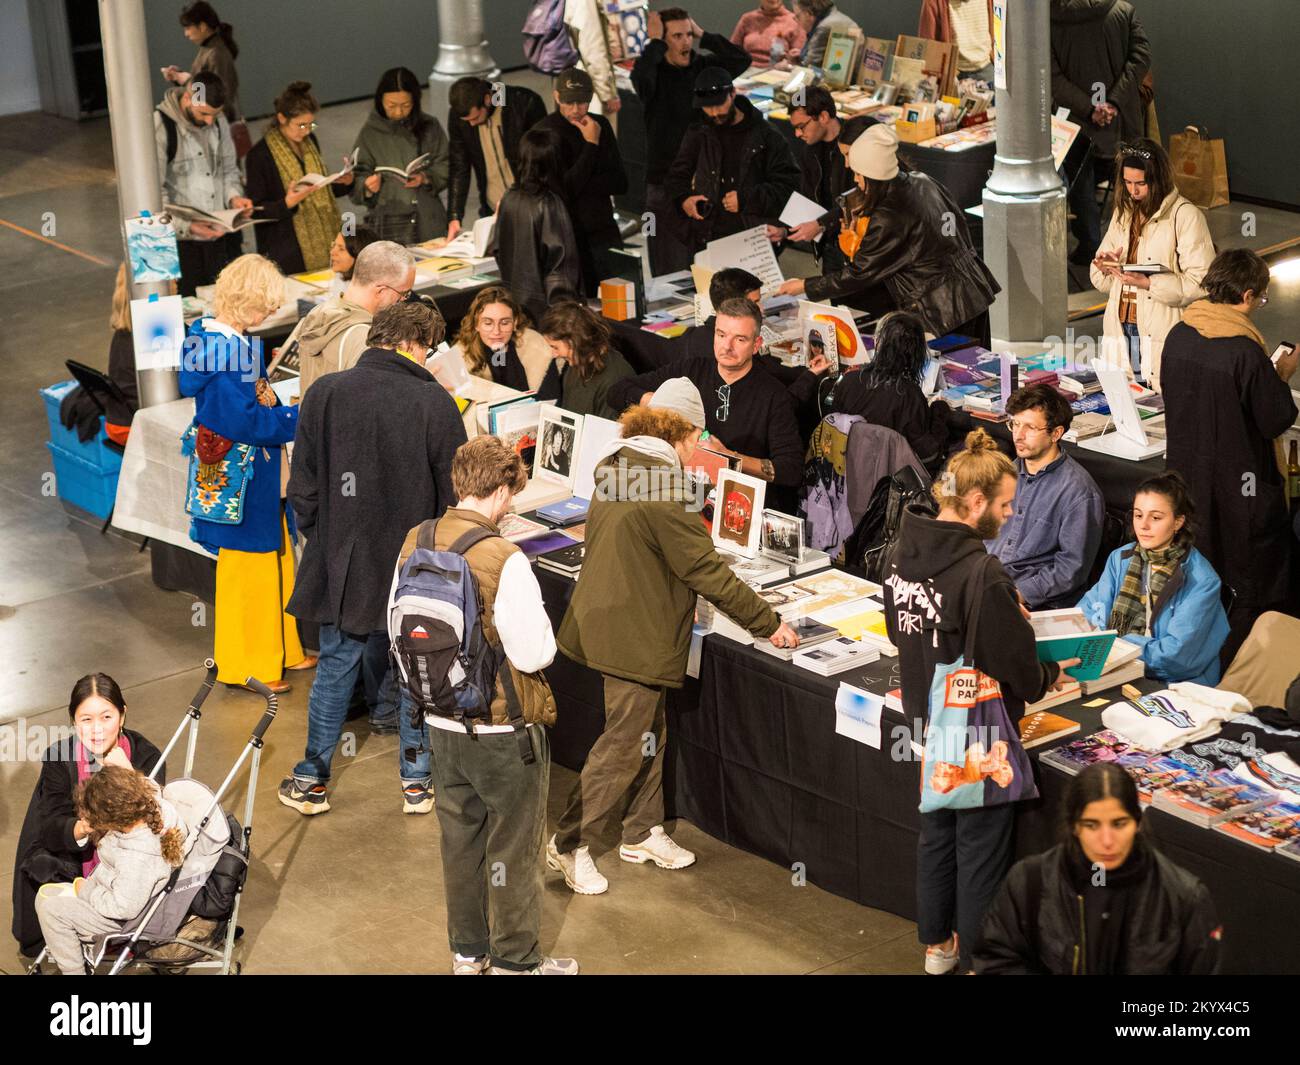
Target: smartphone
(1285,348)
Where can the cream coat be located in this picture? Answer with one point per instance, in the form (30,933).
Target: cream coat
(1178,238)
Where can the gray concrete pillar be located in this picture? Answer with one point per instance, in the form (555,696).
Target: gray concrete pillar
(130,113)
(462,51)
(1024,200)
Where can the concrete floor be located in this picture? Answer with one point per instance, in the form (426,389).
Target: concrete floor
(357,890)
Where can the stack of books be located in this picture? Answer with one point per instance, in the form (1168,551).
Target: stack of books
(1267,827)
(566,561)
(835,656)
(1041,727)
(1104,746)
(1208,800)
(811,634)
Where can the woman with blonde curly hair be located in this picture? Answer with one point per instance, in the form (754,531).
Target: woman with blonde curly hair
(496,344)
(139,839)
(234,490)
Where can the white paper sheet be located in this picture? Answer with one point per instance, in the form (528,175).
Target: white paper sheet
(799,209)
(857,715)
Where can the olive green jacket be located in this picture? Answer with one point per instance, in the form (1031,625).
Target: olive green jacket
(648,556)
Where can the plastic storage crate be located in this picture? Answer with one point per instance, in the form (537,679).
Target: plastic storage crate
(96,452)
(78,481)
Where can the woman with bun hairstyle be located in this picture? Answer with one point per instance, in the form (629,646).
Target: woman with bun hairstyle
(302,222)
(55,844)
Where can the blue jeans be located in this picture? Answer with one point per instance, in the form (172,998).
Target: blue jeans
(342,655)
(1134,341)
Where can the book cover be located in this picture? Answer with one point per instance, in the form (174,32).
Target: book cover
(1104,746)
(835,656)
(1266,827)
(1063,634)
(550,540)
(565,559)
(1211,799)
(1157,772)
(515,527)
(566,512)
(1043,727)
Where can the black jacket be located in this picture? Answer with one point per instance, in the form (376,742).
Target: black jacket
(766,175)
(825,176)
(897,405)
(276,239)
(47,853)
(668,93)
(927,600)
(522,111)
(372,459)
(918,247)
(1040,924)
(536,250)
(1099,42)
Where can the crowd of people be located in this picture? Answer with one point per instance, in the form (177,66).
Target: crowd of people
(383,469)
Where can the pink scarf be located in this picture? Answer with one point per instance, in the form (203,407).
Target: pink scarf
(83,774)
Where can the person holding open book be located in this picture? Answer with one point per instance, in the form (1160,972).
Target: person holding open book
(403,202)
(304,219)
(1159,592)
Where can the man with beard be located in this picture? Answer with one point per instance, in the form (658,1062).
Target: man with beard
(733,170)
(940,586)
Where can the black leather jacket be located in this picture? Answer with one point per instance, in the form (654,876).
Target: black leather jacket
(522,111)
(918,247)
(1035,925)
(536,250)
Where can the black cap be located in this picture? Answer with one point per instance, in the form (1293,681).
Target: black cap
(574,86)
(712,86)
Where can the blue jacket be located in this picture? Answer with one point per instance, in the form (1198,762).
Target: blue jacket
(220,371)
(1188,624)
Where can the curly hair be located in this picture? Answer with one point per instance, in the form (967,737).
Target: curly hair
(247,290)
(667,425)
(117,799)
(583,330)
(476,352)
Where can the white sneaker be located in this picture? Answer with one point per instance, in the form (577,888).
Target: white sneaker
(578,869)
(463,966)
(545,967)
(658,847)
(940,962)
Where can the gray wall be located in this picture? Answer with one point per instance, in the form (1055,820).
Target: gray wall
(19,89)
(1202,50)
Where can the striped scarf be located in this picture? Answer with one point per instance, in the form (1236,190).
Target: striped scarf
(316,222)
(1129,614)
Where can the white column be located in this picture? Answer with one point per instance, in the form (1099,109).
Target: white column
(462,51)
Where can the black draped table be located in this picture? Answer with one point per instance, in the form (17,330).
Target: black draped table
(754,761)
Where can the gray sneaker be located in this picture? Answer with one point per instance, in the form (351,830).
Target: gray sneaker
(545,967)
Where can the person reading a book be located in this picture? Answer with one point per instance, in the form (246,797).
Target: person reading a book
(1153,225)
(938,581)
(648,556)
(580,339)
(403,203)
(496,343)
(1104,901)
(378,430)
(1159,592)
(1049,545)
(749,415)
(888,391)
(303,220)
(199,169)
(217,52)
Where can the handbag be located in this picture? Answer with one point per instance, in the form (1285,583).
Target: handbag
(1200,167)
(218,477)
(973,755)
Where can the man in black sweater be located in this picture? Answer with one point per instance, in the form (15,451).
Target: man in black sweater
(594,174)
(664,78)
(747,412)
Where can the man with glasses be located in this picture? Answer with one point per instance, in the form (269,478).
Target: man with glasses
(825,176)
(1049,544)
(748,414)
(372,460)
(333,335)
(199,168)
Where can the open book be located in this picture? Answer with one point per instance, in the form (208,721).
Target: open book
(316,181)
(407,172)
(226,220)
(1063,634)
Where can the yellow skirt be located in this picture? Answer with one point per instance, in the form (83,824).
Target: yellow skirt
(254,636)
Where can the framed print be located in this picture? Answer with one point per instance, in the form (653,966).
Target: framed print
(558,434)
(737,512)
(782,536)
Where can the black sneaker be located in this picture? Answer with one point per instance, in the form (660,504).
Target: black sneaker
(310,801)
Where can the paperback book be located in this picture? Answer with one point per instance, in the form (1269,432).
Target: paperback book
(835,656)
(1100,747)
(1207,800)
(1267,828)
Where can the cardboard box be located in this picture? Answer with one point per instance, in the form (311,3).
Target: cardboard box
(618,299)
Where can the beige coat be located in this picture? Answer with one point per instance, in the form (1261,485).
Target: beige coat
(1178,238)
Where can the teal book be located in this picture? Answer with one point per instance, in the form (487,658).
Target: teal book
(1063,634)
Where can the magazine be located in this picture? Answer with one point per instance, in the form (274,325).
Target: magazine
(1207,800)
(1267,827)
(1104,746)
(1156,772)
(408,171)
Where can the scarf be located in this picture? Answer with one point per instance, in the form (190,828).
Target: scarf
(1214,321)
(1108,916)
(86,765)
(1129,614)
(316,222)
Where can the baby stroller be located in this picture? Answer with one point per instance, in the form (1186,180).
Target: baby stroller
(192,923)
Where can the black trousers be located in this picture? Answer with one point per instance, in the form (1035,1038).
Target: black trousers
(202,260)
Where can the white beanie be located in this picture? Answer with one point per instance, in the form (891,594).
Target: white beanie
(875,153)
(679,395)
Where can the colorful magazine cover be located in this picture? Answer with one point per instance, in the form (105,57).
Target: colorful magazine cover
(1104,746)
(1155,773)
(1267,827)
(1212,798)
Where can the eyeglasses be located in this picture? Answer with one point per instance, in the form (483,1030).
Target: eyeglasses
(1263,300)
(724,411)
(306,127)
(801,126)
(402,293)
(1026,428)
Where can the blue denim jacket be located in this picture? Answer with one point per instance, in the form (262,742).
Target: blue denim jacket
(1049,544)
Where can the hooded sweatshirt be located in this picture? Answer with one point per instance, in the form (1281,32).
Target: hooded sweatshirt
(330,338)
(131,869)
(204,172)
(927,602)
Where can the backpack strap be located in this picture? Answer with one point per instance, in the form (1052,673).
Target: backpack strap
(468,539)
(169,128)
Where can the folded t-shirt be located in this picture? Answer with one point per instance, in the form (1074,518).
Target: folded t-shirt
(1174,716)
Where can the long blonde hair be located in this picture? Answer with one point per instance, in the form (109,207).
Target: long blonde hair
(120,317)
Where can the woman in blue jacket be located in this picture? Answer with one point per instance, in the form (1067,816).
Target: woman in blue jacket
(234,404)
(1160,592)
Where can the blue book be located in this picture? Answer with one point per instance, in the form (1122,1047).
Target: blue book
(566,512)
(1065,634)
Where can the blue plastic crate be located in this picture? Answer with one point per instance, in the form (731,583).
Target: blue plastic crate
(96,452)
(83,484)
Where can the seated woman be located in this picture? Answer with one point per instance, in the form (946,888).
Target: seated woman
(139,838)
(1160,592)
(79,408)
(581,339)
(495,343)
(343,255)
(1142,914)
(55,845)
(888,391)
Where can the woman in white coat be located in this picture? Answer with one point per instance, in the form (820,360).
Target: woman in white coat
(1152,224)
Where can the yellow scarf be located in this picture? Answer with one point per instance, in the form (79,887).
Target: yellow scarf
(1214,321)
(316,222)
